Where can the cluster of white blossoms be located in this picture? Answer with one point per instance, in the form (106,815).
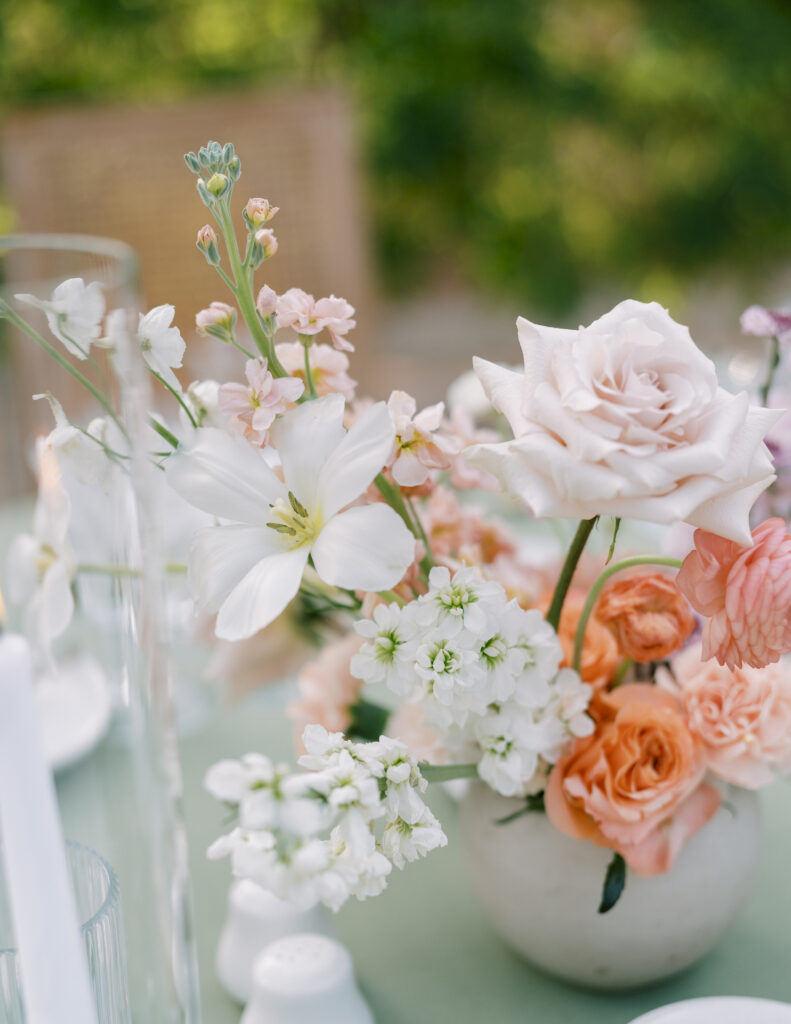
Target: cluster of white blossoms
(485,672)
(312,836)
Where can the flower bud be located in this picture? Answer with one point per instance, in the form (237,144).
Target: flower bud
(235,168)
(266,301)
(191,160)
(218,320)
(258,211)
(266,238)
(207,243)
(218,184)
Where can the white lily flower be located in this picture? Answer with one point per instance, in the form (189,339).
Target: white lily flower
(160,343)
(74,313)
(250,571)
(41,565)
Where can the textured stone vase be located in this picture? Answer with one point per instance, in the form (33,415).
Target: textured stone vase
(540,890)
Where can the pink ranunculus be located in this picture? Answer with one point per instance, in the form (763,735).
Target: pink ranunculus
(328,367)
(327,689)
(300,311)
(420,446)
(744,593)
(253,407)
(742,716)
(767,323)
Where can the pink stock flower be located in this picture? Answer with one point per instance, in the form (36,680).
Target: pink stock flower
(266,301)
(742,716)
(460,532)
(267,239)
(327,689)
(217,314)
(744,593)
(327,367)
(767,323)
(419,446)
(297,309)
(253,407)
(258,211)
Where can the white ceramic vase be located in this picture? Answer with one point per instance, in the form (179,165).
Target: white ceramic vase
(541,889)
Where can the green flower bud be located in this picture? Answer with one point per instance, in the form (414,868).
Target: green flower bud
(218,184)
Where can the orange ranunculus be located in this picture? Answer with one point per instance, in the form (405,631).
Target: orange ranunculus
(648,615)
(634,785)
(600,655)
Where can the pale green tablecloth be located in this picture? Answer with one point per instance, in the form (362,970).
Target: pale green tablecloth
(425,954)
(423,951)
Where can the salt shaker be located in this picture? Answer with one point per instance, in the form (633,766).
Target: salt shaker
(255,919)
(305,979)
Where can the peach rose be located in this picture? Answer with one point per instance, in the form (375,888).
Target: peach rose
(635,784)
(600,654)
(647,614)
(742,716)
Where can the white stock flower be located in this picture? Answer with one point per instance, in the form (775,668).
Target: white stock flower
(404,841)
(389,655)
(41,566)
(251,570)
(510,760)
(464,601)
(202,396)
(231,781)
(160,343)
(626,418)
(74,313)
(451,672)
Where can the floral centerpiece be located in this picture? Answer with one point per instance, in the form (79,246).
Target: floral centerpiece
(615,695)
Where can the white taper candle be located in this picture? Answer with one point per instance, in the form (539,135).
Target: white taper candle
(53,965)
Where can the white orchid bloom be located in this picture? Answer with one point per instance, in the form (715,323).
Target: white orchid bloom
(74,313)
(250,571)
(41,565)
(161,344)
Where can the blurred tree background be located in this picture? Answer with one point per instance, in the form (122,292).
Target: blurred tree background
(538,147)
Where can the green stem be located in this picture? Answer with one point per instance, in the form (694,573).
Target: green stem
(93,568)
(567,572)
(447,772)
(429,556)
(163,432)
(391,595)
(23,325)
(596,589)
(177,396)
(395,499)
(243,291)
(774,362)
(620,675)
(309,373)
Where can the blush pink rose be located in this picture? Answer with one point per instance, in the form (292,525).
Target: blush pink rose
(744,593)
(742,716)
(634,785)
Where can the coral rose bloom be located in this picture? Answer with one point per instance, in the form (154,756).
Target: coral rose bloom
(635,784)
(647,614)
(742,716)
(745,594)
(600,654)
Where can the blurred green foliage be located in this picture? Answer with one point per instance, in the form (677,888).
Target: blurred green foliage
(538,146)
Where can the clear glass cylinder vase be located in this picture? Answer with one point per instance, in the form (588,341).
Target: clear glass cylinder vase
(85,580)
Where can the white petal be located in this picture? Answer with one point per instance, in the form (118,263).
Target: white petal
(262,594)
(21,575)
(304,438)
(53,606)
(221,556)
(224,476)
(505,389)
(365,548)
(355,462)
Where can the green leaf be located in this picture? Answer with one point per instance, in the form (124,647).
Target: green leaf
(611,552)
(368,720)
(614,881)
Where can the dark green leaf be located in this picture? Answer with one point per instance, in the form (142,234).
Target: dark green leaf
(611,552)
(614,881)
(368,720)
(535,802)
